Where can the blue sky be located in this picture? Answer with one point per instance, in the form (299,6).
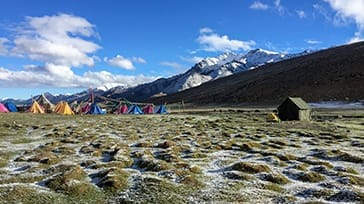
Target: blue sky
(68,46)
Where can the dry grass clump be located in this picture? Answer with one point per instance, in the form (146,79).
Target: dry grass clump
(249,146)
(61,182)
(249,167)
(112,179)
(275,178)
(146,163)
(311,177)
(238,175)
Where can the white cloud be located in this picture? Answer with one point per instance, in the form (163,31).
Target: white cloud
(322,10)
(57,40)
(357,38)
(353,10)
(139,60)
(257,5)
(346,11)
(62,76)
(3,47)
(313,42)
(279,7)
(125,63)
(206,30)
(120,61)
(174,65)
(213,42)
(301,14)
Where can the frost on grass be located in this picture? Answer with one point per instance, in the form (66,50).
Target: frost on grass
(226,156)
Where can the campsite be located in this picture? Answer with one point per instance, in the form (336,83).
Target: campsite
(173,102)
(199,155)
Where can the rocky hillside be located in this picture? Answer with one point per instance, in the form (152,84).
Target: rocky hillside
(333,74)
(208,69)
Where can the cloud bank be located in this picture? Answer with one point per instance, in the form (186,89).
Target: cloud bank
(59,43)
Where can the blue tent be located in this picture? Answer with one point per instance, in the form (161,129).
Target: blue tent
(11,107)
(134,109)
(161,110)
(95,109)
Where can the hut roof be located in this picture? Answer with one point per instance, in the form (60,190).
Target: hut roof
(299,102)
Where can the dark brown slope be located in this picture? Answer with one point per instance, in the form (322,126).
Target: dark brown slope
(332,74)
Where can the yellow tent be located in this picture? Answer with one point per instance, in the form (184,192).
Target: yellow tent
(272,117)
(63,108)
(35,108)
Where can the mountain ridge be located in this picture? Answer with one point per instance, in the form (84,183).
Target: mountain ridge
(333,74)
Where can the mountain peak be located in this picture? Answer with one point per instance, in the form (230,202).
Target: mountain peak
(262,51)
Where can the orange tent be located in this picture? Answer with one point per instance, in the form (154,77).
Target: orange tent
(36,108)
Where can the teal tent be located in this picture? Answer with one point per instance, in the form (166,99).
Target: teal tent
(161,110)
(134,109)
(11,107)
(95,109)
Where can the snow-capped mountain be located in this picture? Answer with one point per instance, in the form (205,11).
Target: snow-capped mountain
(208,69)
(224,65)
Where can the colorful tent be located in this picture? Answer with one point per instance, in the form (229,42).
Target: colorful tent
(36,108)
(134,109)
(3,109)
(122,109)
(148,109)
(95,109)
(63,108)
(161,109)
(86,108)
(45,103)
(11,107)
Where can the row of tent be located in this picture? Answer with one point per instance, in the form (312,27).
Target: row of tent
(8,107)
(90,108)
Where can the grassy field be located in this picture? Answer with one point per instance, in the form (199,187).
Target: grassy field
(219,155)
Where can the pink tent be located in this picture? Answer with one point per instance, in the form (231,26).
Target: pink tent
(3,109)
(148,109)
(122,109)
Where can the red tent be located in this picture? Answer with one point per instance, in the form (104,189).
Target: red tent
(122,109)
(85,108)
(148,109)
